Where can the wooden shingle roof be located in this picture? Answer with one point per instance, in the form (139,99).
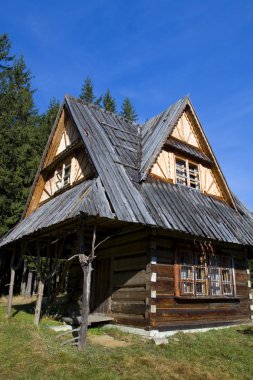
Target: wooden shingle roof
(122,154)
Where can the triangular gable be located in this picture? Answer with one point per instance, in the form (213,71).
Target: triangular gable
(185,132)
(64,156)
(185,127)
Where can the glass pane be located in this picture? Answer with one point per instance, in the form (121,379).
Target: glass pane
(181,173)
(187,272)
(227,289)
(200,273)
(226,275)
(201,288)
(187,288)
(214,274)
(193,176)
(215,288)
(66,177)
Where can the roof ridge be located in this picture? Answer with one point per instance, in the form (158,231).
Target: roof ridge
(99,108)
(182,99)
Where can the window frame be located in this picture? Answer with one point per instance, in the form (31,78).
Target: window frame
(204,280)
(62,179)
(188,174)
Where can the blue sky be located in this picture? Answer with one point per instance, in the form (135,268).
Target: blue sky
(153,52)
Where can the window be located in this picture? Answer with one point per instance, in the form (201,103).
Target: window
(205,274)
(62,175)
(187,173)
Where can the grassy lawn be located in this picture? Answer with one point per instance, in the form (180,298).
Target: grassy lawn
(30,353)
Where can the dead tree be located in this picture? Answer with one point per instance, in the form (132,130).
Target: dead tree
(86,265)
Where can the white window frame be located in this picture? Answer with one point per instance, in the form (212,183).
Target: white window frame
(63,176)
(187,175)
(206,285)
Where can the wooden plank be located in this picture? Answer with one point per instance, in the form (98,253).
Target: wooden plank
(129,278)
(128,308)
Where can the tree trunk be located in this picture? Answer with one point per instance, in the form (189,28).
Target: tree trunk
(39,302)
(82,341)
(23,282)
(12,279)
(28,291)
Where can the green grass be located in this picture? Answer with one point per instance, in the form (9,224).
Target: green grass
(30,353)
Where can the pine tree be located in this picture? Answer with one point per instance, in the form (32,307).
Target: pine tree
(87,93)
(18,136)
(128,110)
(109,102)
(5,46)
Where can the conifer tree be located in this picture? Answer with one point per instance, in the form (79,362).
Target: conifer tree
(18,136)
(109,102)
(87,93)
(128,110)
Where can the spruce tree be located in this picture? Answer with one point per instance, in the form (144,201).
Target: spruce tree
(5,58)
(87,93)
(128,110)
(109,102)
(18,136)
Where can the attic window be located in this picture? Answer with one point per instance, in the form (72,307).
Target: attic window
(205,275)
(62,176)
(187,173)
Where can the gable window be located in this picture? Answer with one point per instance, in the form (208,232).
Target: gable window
(187,173)
(62,176)
(205,274)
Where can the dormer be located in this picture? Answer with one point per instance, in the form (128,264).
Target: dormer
(185,160)
(65,162)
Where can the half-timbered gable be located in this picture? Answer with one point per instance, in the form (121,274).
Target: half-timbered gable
(174,240)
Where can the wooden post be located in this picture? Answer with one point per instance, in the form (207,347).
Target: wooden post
(23,282)
(83,262)
(28,290)
(82,341)
(40,286)
(39,302)
(86,264)
(11,285)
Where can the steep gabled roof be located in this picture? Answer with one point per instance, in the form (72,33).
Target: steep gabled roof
(111,166)
(122,154)
(155,132)
(87,197)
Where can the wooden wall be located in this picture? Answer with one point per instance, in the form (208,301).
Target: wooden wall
(168,311)
(127,296)
(134,281)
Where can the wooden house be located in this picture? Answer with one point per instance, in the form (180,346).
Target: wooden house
(175,241)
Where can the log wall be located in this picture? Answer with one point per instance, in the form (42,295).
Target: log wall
(134,281)
(127,285)
(168,311)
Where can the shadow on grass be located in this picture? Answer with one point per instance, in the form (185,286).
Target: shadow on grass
(55,311)
(246,331)
(27,308)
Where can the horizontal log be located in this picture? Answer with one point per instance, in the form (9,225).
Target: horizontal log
(163,270)
(129,278)
(130,320)
(125,308)
(172,325)
(129,294)
(130,262)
